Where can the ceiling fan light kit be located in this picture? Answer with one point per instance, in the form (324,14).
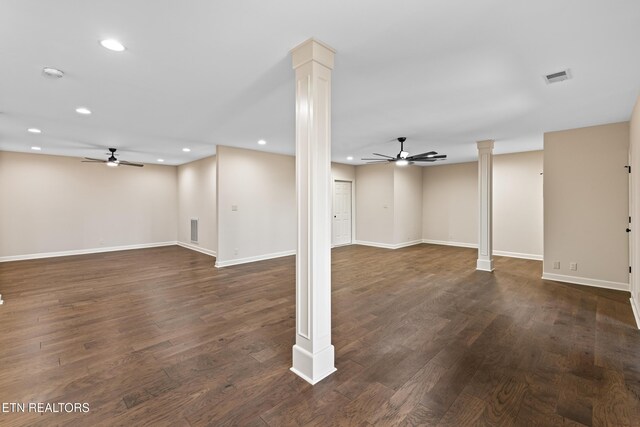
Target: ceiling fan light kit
(403,158)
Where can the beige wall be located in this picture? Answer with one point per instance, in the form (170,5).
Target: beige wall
(375,204)
(634,138)
(262,187)
(340,171)
(586,203)
(517,203)
(54,204)
(407,196)
(450,203)
(197,199)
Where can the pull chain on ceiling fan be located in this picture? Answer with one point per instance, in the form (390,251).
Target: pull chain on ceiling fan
(403,158)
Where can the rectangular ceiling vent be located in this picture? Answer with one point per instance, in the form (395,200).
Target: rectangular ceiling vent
(558,77)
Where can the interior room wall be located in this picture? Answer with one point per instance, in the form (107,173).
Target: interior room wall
(518,211)
(375,204)
(54,204)
(197,199)
(256,203)
(407,205)
(450,204)
(586,205)
(343,172)
(634,152)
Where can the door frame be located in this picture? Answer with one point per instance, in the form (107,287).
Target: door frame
(353,209)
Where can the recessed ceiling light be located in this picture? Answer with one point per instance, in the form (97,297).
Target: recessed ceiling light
(186,150)
(52,72)
(36,148)
(83,110)
(34,130)
(161,160)
(112,44)
(349,157)
(262,142)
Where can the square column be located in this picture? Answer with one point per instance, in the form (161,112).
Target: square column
(313,353)
(485,205)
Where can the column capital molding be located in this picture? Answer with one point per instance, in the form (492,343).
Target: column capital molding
(312,50)
(487,144)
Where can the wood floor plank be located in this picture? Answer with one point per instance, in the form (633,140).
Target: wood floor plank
(421,338)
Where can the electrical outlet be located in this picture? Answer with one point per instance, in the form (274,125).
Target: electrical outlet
(573,266)
(234,208)
(556,265)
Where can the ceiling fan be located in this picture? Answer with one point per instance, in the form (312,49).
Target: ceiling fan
(112,160)
(403,158)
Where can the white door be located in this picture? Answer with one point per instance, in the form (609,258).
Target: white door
(341,213)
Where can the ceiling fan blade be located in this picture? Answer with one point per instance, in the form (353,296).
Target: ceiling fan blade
(378,161)
(424,159)
(125,163)
(384,155)
(87,159)
(427,154)
(373,158)
(441,156)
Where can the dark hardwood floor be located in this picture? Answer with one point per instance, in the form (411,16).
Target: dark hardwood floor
(160,337)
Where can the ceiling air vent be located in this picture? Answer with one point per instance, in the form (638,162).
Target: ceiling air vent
(557,77)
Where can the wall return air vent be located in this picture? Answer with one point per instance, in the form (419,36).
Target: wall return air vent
(558,76)
(194,230)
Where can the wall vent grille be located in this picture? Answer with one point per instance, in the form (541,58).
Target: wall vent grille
(194,230)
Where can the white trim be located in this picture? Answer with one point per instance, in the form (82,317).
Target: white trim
(586,281)
(635,312)
(518,255)
(388,245)
(253,258)
(447,243)
(475,246)
(84,251)
(1,301)
(197,248)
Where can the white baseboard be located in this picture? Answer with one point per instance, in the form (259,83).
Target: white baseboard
(635,310)
(84,251)
(475,246)
(237,261)
(447,243)
(618,286)
(388,245)
(197,248)
(518,255)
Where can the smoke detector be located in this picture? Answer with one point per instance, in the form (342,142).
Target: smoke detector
(557,76)
(53,73)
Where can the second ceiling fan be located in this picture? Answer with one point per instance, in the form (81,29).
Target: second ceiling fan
(403,158)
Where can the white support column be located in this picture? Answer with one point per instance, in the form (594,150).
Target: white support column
(485,205)
(313,353)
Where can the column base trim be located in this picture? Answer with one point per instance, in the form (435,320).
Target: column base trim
(313,368)
(485,265)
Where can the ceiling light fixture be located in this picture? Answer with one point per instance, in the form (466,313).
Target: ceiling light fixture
(53,73)
(34,130)
(112,164)
(83,110)
(262,142)
(402,162)
(186,150)
(161,160)
(36,148)
(112,44)
(349,157)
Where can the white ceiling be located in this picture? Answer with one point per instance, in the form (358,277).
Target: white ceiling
(200,73)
